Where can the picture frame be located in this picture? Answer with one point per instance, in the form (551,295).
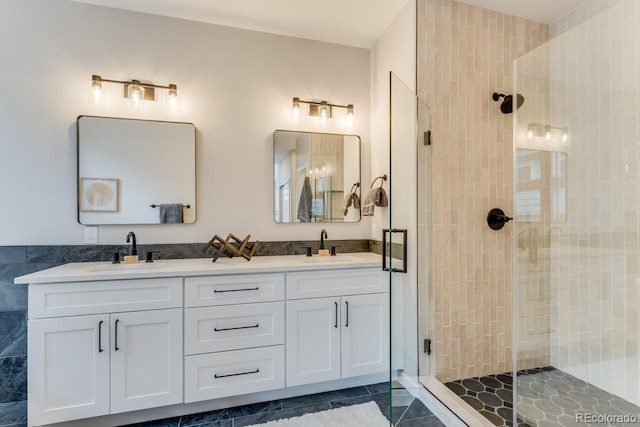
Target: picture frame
(98,194)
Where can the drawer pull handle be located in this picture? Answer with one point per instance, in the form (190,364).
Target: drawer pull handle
(100,349)
(215,291)
(235,375)
(116,328)
(257,325)
(336,324)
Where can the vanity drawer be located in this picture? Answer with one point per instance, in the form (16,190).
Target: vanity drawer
(331,283)
(79,298)
(231,373)
(233,327)
(233,289)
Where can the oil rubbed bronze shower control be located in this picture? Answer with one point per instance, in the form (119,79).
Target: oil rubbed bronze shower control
(497,219)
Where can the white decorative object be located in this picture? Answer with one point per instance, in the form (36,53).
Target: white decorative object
(98,194)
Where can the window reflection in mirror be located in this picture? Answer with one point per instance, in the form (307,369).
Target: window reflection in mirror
(541,186)
(127,166)
(315,177)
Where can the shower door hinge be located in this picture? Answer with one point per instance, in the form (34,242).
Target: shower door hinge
(427,346)
(427,138)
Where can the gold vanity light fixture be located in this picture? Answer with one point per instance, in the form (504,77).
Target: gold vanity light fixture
(547,131)
(322,109)
(136,92)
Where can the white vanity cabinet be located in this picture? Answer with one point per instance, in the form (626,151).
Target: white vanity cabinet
(341,336)
(176,338)
(84,365)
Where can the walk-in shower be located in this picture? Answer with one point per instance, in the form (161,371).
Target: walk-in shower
(536,323)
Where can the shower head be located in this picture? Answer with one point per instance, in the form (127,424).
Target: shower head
(507,103)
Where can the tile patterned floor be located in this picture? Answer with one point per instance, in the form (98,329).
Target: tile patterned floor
(547,397)
(413,415)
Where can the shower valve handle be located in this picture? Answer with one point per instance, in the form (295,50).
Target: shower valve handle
(497,219)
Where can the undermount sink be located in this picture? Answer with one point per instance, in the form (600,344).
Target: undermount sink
(122,266)
(329,259)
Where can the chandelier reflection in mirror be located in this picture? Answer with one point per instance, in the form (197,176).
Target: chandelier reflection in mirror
(136,91)
(320,109)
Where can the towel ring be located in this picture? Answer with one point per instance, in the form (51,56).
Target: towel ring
(383,178)
(354,187)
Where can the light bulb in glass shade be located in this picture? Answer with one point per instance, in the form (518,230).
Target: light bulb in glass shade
(136,95)
(349,116)
(295,110)
(565,136)
(96,92)
(547,133)
(172,101)
(323,110)
(531,132)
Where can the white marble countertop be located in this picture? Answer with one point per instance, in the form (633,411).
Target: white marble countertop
(92,271)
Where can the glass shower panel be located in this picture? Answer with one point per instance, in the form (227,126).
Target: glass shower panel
(407,127)
(577,252)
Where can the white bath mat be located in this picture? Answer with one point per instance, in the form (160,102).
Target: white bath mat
(364,415)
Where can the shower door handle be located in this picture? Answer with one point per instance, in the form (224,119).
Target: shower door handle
(384,250)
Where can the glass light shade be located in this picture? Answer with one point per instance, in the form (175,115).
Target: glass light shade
(295,110)
(531,132)
(172,100)
(565,136)
(349,121)
(323,111)
(96,91)
(547,133)
(136,95)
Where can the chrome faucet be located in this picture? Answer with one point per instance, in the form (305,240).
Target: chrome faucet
(132,237)
(323,235)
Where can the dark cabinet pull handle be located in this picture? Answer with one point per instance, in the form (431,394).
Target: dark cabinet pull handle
(235,375)
(116,343)
(347,324)
(336,324)
(215,291)
(257,325)
(100,349)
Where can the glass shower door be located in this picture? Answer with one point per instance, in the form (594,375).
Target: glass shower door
(408,120)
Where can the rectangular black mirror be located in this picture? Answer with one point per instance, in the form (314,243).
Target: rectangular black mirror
(316,177)
(135,171)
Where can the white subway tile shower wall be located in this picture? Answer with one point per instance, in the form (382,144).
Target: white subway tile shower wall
(592,290)
(586,10)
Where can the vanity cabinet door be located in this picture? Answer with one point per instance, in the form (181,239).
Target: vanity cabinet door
(313,340)
(68,368)
(146,359)
(365,334)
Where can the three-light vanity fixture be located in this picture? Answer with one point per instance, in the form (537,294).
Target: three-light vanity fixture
(321,109)
(547,131)
(136,91)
